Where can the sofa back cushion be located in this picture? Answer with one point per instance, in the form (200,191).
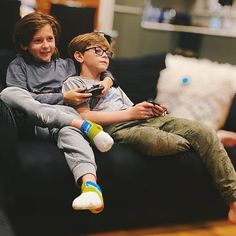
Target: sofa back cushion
(138,76)
(9,15)
(6,56)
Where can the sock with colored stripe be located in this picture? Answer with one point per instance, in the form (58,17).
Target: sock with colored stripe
(102,140)
(90,198)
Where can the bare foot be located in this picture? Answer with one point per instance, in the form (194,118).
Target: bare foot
(232,213)
(227,138)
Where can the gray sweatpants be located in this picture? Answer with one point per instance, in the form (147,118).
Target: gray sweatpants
(57,118)
(169,135)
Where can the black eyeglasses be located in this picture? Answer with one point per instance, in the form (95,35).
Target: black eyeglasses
(99,51)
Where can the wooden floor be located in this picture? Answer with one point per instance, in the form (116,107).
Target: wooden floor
(216,228)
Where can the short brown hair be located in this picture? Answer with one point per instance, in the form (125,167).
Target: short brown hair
(26,28)
(83,41)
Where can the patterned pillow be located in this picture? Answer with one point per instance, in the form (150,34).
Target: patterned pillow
(197,89)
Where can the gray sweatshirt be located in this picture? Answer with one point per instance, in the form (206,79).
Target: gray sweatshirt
(42,79)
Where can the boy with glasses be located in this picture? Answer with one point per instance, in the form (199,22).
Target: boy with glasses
(146,126)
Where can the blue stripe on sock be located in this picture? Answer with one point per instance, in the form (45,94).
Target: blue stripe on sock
(90,183)
(85,127)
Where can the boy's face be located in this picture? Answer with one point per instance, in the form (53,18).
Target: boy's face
(42,45)
(96,58)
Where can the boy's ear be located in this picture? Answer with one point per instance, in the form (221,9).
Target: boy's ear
(79,56)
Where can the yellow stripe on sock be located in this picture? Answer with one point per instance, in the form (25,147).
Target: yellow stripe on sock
(94,130)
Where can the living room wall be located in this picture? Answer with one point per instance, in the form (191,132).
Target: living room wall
(132,40)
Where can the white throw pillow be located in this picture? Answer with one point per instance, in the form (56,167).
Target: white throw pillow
(197,89)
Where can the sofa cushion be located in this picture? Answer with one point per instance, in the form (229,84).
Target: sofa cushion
(47,189)
(138,76)
(197,89)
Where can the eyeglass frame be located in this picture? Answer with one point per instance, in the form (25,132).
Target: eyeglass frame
(109,55)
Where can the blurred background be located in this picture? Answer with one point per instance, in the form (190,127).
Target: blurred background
(201,28)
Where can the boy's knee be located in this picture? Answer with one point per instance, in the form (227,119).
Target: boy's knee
(5,94)
(204,129)
(203,133)
(10,94)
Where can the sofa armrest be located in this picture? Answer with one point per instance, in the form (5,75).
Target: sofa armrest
(16,120)
(6,56)
(5,226)
(230,123)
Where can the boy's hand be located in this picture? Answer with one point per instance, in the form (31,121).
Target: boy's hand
(107,84)
(159,110)
(141,111)
(75,97)
(145,110)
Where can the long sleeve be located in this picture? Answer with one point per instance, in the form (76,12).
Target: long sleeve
(43,81)
(49,98)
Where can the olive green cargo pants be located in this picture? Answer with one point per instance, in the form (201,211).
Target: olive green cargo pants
(168,135)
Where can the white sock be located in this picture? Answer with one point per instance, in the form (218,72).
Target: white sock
(103,141)
(90,198)
(87,201)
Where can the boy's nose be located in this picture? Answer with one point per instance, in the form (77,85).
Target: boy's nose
(45,44)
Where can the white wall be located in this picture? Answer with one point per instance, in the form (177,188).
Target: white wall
(106,15)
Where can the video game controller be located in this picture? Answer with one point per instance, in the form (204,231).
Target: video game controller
(154,103)
(95,90)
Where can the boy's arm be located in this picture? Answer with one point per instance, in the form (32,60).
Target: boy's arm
(143,110)
(107,81)
(140,111)
(107,75)
(105,117)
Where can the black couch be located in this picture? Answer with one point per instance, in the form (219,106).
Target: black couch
(139,191)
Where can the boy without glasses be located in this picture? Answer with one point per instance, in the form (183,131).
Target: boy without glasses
(34,80)
(145,125)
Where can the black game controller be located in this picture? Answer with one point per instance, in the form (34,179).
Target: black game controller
(154,103)
(95,90)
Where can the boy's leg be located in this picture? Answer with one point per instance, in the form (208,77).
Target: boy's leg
(80,158)
(207,145)
(150,140)
(55,116)
(39,114)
